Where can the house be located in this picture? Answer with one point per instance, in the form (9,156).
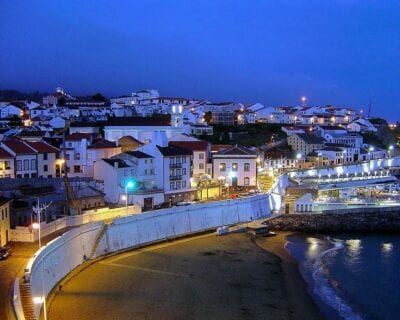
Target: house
(361,125)
(25,159)
(5,232)
(11,110)
(292,130)
(6,164)
(201,160)
(140,128)
(130,177)
(304,143)
(173,167)
(236,165)
(49,162)
(82,150)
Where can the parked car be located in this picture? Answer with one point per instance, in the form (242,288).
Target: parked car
(5,252)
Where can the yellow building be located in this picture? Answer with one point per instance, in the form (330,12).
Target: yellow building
(5,232)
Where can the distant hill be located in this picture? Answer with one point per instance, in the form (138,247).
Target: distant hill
(16,95)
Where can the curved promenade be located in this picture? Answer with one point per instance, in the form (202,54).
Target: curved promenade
(64,254)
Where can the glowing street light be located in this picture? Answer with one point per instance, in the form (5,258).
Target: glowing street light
(391,148)
(129,185)
(303,100)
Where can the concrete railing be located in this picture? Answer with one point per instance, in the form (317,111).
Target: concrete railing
(16,301)
(27,234)
(62,255)
(362,167)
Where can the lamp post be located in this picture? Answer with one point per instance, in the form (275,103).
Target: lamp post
(128,185)
(391,147)
(37,226)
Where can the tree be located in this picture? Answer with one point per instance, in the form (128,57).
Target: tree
(98,97)
(208,117)
(61,101)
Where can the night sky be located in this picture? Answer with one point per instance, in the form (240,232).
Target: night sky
(342,52)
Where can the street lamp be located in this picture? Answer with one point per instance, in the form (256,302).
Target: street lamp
(370,149)
(391,147)
(303,100)
(37,226)
(129,185)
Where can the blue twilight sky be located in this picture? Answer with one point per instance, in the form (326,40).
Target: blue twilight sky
(344,52)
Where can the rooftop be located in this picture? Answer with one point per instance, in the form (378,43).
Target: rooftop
(172,151)
(139,154)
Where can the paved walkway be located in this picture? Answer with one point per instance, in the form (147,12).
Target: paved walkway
(14,267)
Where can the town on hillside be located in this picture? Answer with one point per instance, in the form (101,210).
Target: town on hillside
(94,156)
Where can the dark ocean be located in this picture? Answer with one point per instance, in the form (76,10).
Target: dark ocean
(351,276)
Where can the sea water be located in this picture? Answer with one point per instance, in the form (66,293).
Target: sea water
(351,276)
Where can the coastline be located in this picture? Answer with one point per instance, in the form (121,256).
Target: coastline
(234,277)
(298,297)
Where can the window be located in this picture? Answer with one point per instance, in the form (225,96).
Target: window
(201,155)
(33,164)
(178,185)
(183,171)
(247,167)
(77,156)
(19,165)
(145,161)
(57,155)
(45,168)
(201,166)
(44,156)
(145,172)
(33,175)
(234,167)
(183,159)
(183,184)
(67,156)
(222,167)
(26,164)
(172,185)
(7,165)
(246,181)
(151,171)
(77,169)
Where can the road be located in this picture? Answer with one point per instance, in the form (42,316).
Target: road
(206,277)
(13,267)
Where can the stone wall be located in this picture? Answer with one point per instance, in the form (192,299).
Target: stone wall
(380,220)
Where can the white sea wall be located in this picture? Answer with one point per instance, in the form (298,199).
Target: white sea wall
(135,230)
(59,257)
(62,255)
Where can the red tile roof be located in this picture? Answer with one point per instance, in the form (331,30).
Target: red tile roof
(5,154)
(102,144)
(78,136)
(43,147)
(218,147)
(19,147)
(191,145)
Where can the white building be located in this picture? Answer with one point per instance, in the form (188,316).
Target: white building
(141,128)
(201,161)
(237,165)
(130,177)
(81,151)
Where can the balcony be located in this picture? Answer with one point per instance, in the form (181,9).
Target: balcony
(175,177)
(175,165)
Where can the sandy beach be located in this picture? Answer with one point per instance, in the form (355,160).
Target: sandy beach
(205,277)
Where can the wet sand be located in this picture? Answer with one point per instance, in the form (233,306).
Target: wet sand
(205,277)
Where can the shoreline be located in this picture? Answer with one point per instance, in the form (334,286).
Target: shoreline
(233,276)
(297,288)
